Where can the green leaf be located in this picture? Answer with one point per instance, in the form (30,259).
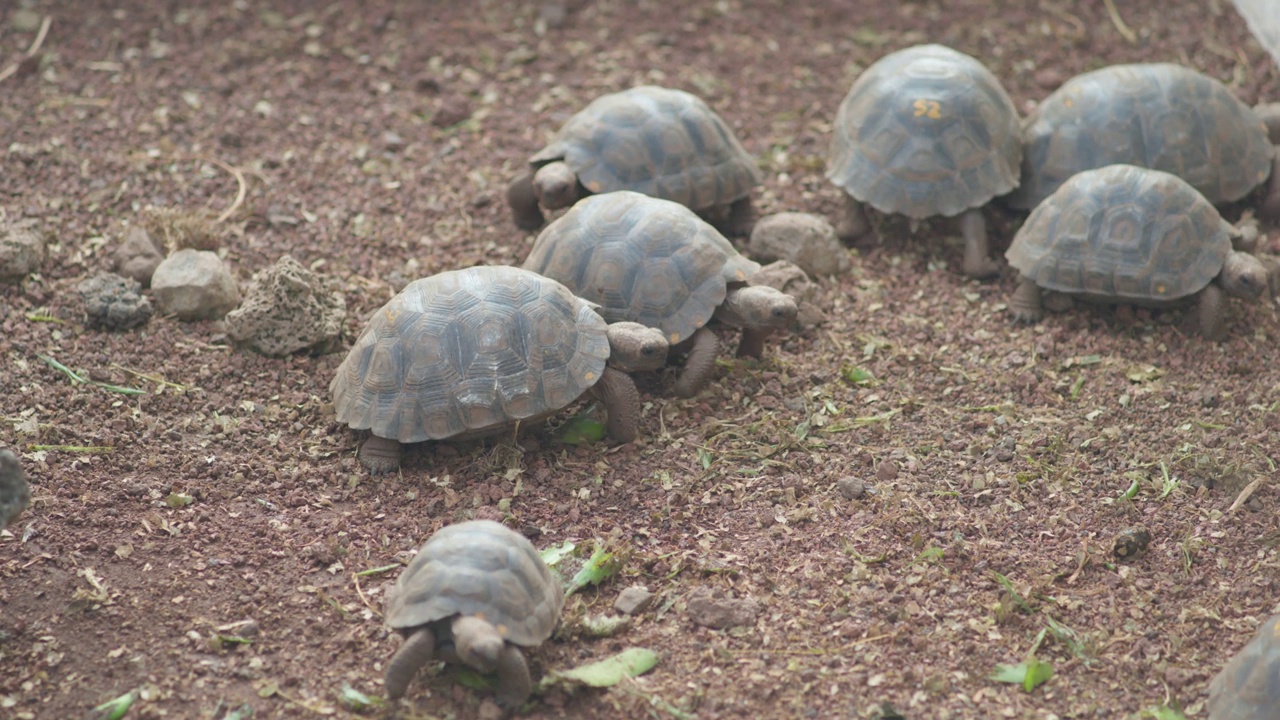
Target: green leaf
(472,679)
(581,430)
(610,671)
(554,554)
(601,566)
(856,375)
(116,708)
(240,713)
(705,458)
(1165,712)
(1143,373)
(177,500)
(353,699)
(603,626)
(1131,493)
(1030,674)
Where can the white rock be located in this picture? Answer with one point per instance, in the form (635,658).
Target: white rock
(805,239)
(194,285)
(288,308)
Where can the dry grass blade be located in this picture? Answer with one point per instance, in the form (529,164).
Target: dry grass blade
(1125,31)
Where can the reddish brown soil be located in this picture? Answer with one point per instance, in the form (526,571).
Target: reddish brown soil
(990,448)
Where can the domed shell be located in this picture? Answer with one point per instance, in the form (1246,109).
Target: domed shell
(469,350)
(1248,687)
(1156,115)
(926,131)
(1123,232)
(657,141)
(641,259)
(479,567)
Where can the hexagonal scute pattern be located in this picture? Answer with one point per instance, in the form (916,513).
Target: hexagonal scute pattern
(1123,232)
(663,143)
(926,131)
(1155,115)
(642,260)
(467,351)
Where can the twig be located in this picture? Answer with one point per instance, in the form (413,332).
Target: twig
(242,188)
(814,651)
(31,51)
(152,378)
(355,577)
(1245,494)
(1116,20)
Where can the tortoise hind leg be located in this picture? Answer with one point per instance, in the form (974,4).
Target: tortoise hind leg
(514,682)
(1211,308)
(1269,203)
(699,363)
(379,455)
(973,228)
(621,401)
(853,224)
(408,660)
(524,202)
(1025,304)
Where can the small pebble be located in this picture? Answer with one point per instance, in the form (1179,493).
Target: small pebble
(633,600)
(851,488)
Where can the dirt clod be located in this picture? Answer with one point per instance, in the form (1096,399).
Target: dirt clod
(633,600)
(711,608)
(112,302)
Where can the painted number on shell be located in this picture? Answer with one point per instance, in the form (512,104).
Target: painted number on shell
(931,109)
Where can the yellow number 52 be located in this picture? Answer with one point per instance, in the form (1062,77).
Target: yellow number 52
(928,108)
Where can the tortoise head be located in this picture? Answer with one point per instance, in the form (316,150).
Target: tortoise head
(1243,276)
(478,642)
(556,185)
(634,347)
(758,307)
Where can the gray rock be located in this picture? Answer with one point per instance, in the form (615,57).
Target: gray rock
(138,256)
(286,309)
(709,608)
(113,302)
(786,276)
(633,600)
(195,285)
(805,239)
(851,488)
(15,495)
(22,250)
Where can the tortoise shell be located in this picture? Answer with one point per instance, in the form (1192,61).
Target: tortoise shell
(1123,232)
(479,567)
(1248,687)
(468,351)
(653,140)
(926,131)
(641,259)
(1155,115)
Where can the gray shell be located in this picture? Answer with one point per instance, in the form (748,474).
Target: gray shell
(1123,232)
(1156,115)
(1248,687)
(641,259)
(926,131)
(483,568)
(467,351)
(653,140)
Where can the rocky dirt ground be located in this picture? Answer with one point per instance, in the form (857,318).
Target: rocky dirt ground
(912,494)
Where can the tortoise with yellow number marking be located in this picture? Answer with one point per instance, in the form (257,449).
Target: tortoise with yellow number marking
(15,494)
(661,142)
(467,353)
(1128,234)
(473,594)
(1155,115)
(1248,687)
(926,131)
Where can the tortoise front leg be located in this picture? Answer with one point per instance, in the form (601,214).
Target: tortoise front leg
(699,364)
(1024,303)
(514,682)
(617,391)
(379,455)
(524,202)
(1210,308)
(752,343)
(852,224)
(973,228)
(408,660)
(742,217)
(1269,203)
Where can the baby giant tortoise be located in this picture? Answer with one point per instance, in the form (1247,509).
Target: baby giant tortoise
(474,593)
(926,131)
(656,263)
(1155,115)
(1248,687)
(469,352)
(1128,234)
(14,493)
(660,142)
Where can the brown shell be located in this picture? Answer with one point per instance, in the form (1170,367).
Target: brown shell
(1248,687)
(641,259)
(1123,232)
(1156,115)
(479,567)
(469,350)
(660,142)
(926,131)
